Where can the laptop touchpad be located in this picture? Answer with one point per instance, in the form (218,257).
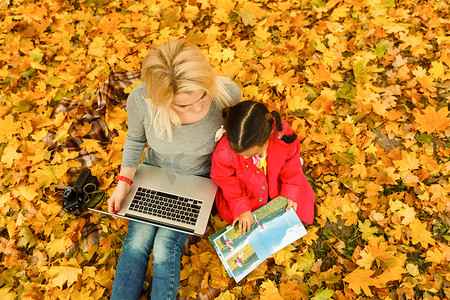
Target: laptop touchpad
(174,183)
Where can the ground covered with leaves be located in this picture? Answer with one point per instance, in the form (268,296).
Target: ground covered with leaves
(365,84)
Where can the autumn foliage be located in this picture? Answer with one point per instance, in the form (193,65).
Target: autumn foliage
(365,84)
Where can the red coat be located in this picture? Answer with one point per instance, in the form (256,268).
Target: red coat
(243,186)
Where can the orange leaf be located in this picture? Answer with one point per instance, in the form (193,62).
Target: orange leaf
(408,162)
(290,290)
(391,274)
(319,75)
(432,121)
(360,279)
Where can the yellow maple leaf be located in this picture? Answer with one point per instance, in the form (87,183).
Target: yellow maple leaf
(7,294)
(10,155)
(227,5)
(191,12)
(373,189)
(436,256)
(366,230)
(420,234)
(44,176)
(220,16)
(292,270)
(245,53)
(227,295)
(311,235)
(408,213)
(431,120)
(63,274)
(269,291)
(95,73)
(284,256)
(408,162)
(97,47)
(188,292)
(366,259)
(58,245)
(262,32)
(360,71)
(319,74)
(298,101)
(29,192)
(339,12)
(427,83)
(390,274)
(360,279)
(92,145)
(437,69)
(105,277)
(227,54)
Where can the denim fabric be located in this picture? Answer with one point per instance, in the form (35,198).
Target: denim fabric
(167,248)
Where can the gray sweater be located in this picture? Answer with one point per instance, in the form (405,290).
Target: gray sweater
(191,147)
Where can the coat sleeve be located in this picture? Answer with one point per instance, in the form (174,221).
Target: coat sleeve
(294,184)
(232,199)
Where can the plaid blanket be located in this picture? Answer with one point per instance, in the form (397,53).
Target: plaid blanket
(111,93)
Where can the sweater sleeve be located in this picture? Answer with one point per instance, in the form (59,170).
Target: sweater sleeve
(135,140)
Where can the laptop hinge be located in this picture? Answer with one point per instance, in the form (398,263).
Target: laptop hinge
(159,223)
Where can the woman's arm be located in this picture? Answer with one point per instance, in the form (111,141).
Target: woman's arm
(132,151)
(121,190)
(136,139)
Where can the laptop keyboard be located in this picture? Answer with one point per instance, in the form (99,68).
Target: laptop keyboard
(163,205)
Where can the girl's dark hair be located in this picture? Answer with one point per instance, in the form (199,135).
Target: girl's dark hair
(249,123)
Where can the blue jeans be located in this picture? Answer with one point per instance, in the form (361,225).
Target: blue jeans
(167,248)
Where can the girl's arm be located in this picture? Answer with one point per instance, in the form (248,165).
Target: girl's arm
(291,173)
(224,175)
(295,186)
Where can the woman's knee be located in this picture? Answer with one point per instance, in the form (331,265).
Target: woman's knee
(168,246)
(140,237)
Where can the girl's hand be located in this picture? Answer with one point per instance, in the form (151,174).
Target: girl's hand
(117,197)
(291,204)
(245,221)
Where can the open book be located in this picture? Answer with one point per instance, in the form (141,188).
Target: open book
(272,230)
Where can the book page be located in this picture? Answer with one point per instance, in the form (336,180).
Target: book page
(272,230)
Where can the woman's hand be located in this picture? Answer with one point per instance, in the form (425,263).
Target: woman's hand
(117,197)
(290,204)
(245,221)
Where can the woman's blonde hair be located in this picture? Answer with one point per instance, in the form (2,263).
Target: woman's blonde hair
(178,67)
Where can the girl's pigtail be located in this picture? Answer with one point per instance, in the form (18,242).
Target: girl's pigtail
(269,119)
(288,139)
(277,118)
(225,112)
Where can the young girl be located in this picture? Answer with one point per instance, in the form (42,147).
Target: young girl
(257,160)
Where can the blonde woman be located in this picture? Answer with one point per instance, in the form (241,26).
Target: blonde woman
(176,111)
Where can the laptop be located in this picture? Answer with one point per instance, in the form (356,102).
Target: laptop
(165,199)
